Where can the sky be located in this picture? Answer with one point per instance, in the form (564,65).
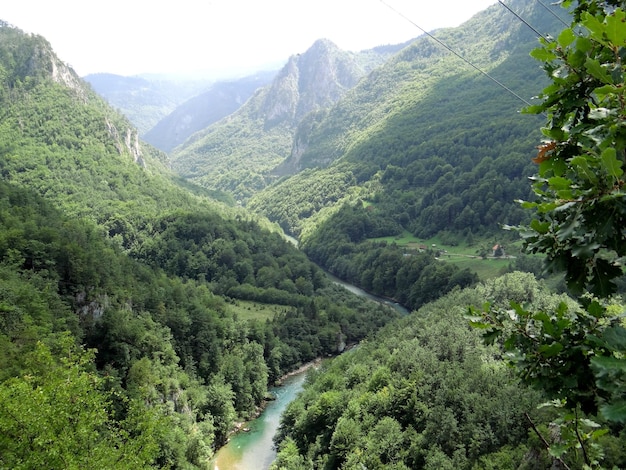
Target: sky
(220,37)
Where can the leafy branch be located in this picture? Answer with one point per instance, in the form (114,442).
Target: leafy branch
(577,356)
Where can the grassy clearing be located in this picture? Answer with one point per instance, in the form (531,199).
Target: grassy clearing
(464,255)
(248,310)
(485,268)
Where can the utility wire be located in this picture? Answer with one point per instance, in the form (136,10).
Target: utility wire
(441,43)
(553,13)
(524,21)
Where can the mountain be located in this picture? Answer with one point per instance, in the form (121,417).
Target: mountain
(220,100)
(145,100)
(140,316)
(432,144)
(61,139)
(426,150)
(238,153)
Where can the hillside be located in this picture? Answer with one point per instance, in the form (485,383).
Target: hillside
(237,154)
(425,136)
(427,393)
(220,100)
(140,315)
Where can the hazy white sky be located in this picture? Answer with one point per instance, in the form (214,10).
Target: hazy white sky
(129,37)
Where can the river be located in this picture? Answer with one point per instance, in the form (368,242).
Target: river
(361,293)
(254,450)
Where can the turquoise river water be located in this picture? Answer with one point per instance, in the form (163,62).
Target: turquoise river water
(254,450)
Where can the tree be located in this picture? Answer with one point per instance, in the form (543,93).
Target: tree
(578,355)
(56,415)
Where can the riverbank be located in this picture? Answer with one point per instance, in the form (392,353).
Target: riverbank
(241,426)
(254,449)
(305,367)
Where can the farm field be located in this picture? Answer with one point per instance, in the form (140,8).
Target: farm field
(477,256)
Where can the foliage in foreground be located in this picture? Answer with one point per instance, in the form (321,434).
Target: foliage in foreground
(577,356)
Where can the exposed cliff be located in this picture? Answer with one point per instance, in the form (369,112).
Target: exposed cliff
(238,153)
(311,81)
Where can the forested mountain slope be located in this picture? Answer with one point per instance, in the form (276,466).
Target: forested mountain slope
(426,393)
(191,307)
(220,100)
(434,144)
(422,394)
(238,153)
(425,145)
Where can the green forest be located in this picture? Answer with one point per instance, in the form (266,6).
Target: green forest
(434,390)
(135,300)
(144,316)
(426,392)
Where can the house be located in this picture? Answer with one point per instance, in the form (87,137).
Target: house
(498,251)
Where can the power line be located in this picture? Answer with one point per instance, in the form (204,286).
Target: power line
(553,13)
(524,21)
(441,43)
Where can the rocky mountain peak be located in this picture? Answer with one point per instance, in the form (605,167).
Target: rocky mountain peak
(313,80)
(34,57)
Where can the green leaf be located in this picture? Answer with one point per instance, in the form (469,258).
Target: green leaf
(615,338)
(584,45)
(534,109)
(589,423)
(599,433)
(596,70)
(481,325)
(595,27)
(608,365)
(583,169)
(540,227)
(612,165)
(528,204)
(607,90)
(585,251)
(595,309)
(542,54)
(566,37)
(558,182)
(491,336)
(615,411)
(615,29)
(556,450)
(550,350)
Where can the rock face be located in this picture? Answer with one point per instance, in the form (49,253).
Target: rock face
(240,153)
(33,60)
(33,57)
(311,81)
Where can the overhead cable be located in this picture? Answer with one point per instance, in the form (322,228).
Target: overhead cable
(445,46)
(524,21)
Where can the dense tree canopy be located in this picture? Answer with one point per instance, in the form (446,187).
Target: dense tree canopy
(149,316)
(425,392)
